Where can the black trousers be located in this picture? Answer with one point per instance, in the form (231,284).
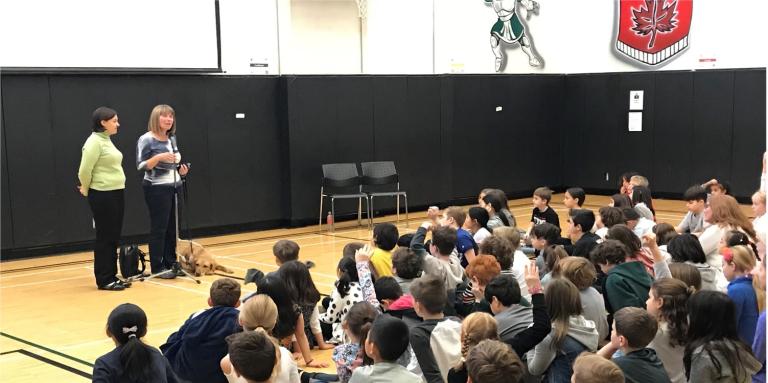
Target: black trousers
(162,217)
(107,208)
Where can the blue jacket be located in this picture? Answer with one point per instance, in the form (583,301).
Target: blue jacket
(742,293)
(197,348)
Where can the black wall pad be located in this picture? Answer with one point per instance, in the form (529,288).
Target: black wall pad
(513,148)
(443,132)
(673,131)
(6,220)
(749,131)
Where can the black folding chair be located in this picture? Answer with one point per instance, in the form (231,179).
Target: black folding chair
(376,177)
(342,181)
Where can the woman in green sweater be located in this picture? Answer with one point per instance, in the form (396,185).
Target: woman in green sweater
(102,180)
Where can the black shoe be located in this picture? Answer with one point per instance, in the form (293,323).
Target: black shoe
(125,283)
(114,286)
(167,274)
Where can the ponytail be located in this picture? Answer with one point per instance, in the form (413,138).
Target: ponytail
(367,360)
(136,360)
(348,269)
(127,323)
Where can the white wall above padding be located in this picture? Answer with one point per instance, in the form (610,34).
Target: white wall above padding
(108,33)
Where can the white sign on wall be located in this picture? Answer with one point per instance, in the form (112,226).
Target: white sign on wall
(636,100)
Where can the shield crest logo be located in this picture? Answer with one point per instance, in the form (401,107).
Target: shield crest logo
(653,31)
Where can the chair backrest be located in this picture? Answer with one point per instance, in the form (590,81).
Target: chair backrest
(340,175)
(379,173)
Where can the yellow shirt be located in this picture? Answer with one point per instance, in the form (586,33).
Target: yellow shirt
(382,262)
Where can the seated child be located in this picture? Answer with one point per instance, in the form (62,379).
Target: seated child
(394,302)
(285,250)
(386,341)
(406,266)
(196,349)
(541,211)
(581,222)
(131,360)
(475,328)
(435,341)
(303,292)
(594,368)
(695,201)
(385,237)
(349,356)
(738,262)
(439,260)
(574,198)
(346,294)
(626,283)
(582,273)
(256,314)
(255,356)
(466,247)
(491,361)
(480,271)
(477,224)
(519,259)
(606,218)
(633,329)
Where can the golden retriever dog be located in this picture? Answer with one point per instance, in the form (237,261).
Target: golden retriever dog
(195,259)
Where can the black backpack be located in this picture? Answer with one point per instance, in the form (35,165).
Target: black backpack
(129,260)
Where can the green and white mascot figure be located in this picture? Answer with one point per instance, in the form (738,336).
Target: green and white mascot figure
(510,29)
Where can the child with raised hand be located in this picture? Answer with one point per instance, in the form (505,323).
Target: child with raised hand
(302,290)
(351,355)
(260,313)
(666,303)
(131,360)
(346,294)
(255,357)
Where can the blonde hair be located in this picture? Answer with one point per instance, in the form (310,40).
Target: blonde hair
(639,180)
(259,312)
(744,260)
(726,211)
(594,368)
(578,270)
(511,234)
(475,328)
(154,118)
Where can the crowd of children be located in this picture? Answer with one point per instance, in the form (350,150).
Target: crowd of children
(613,297)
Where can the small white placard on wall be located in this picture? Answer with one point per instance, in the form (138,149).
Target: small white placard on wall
(635,121)
(636,100)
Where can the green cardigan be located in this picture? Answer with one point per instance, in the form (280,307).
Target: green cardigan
(101,164)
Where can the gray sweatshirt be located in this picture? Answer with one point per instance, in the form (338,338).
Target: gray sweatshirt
(579,328)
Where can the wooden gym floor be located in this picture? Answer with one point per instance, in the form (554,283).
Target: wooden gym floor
(52,317)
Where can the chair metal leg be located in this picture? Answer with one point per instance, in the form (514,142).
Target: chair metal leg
(368,211)
(320,220)
(333,214)
(405,196)
(370,207)
(397,207)
(359,211)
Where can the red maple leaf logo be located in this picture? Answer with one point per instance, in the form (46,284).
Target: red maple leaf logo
(653,18)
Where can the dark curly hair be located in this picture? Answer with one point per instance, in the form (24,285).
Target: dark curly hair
(674,293)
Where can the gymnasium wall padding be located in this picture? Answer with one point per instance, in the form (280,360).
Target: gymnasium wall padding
(443,132)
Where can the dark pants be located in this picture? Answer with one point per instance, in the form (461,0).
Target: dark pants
(107,208)
(162,217)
